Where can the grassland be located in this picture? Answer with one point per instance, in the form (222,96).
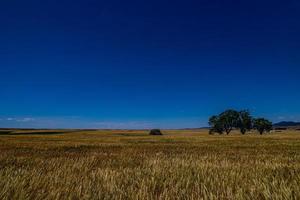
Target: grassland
(118,164)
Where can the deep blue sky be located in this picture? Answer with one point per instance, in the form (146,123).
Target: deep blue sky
(142,64)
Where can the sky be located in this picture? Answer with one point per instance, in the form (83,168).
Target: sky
(146,64)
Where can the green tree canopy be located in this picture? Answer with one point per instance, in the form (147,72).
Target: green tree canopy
(262,125)
(229,119)
(245,121)
(242,120)
(215,124)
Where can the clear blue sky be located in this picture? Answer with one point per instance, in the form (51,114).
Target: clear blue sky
(144,64)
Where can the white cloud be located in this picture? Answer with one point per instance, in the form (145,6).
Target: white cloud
(281,117)
(78,122)
(121,125)
(26,119)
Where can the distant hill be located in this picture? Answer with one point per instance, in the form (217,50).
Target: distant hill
(286,124)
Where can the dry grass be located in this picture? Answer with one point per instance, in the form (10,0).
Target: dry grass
(133,165)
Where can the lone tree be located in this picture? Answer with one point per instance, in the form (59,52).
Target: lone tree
(155,132)
(245,121)
(216,125)
(229,119)
(262,125)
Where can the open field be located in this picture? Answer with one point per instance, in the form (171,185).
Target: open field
(117,164)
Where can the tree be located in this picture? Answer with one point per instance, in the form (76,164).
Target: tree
(215,124)
(245,121)
(262,125)
(229,119)
(242,120)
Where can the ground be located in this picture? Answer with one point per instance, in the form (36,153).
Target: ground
(123,164)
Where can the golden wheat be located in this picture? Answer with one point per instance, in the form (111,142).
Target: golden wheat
(132,165)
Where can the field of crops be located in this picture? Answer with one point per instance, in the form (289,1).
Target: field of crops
(120,164)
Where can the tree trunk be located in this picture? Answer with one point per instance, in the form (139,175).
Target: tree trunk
(228,131)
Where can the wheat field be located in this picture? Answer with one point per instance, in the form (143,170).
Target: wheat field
(124,164)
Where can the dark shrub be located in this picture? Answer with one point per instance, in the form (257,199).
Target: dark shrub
(280,129)
(155,132)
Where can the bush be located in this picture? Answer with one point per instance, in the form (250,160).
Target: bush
(155,132)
